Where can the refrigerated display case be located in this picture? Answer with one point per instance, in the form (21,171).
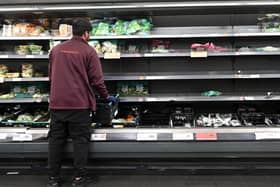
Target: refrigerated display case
(223,91)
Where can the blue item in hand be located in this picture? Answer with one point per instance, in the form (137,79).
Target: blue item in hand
(113,99)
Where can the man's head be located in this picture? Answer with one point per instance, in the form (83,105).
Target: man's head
(82,28)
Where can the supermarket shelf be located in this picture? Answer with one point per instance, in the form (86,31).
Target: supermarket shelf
(140,6)
(182,53)
(160,134)
(25,37)
(170,76)
(34,79)
(199,98)
(24,100)
(156,130)
(168,98)
(194,75)
(175,32)
(14,56)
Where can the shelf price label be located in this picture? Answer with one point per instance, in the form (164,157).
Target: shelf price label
(16,79)
(147,137)
(183,136)
(4,56)
(29,56)
(2,79)
(112,55)
(267,135)
(253,76)
(249,98)
(3,136)
(256,76)
(22,137)
(99,137)
(206,136)
(199,54)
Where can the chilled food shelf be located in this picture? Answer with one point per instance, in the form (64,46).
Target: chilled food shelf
(187,53)
(140,6)
(24,100)
(200,98)
(194,75)
(15,56)
(153,134)
(173,32)
(169,76)
(33,79)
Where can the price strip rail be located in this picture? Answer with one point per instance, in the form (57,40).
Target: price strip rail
(153,135)
(223,134)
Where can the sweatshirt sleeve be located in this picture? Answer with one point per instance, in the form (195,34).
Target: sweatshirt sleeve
(95,75)
(50,66)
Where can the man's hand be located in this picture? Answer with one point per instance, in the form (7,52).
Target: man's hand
(113,99)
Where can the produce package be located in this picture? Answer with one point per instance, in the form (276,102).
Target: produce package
(132,88)
(27,70)
(12,75)
(160,46)
(22,49)
(53,43)
(29,49)
(211,93)
(109,47)
(96,45)
(272,119)
(217,120)
(112,26)
(3,70)
(270,22)
(35,49)
(7,30)
(25,118)
(211,47)
(27,29)
(65,30)
(103,29)
(7,96)
(181,117)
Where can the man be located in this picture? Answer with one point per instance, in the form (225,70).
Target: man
(74,69)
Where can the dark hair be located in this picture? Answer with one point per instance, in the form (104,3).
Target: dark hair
(80,26)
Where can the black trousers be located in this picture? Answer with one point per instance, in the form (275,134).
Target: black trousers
(74,124)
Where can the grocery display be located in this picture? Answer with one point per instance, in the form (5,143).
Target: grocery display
(132,88)
(19,116)
(217,120)
(182,102)
(208,47)
(270,22)
(115,26)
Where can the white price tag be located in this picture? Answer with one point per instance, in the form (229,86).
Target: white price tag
(141,78)
(147,137)
(99,137)
(183,136)
(199,54)
(267,135)
(16,79)
(140,99)
(248,98)
(4,56)
(112,55)
(22,137)
(38,100)
(255,76)
(29,56)
(2,79)
(3,136)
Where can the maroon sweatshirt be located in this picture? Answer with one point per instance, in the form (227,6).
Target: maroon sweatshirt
(74,69)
